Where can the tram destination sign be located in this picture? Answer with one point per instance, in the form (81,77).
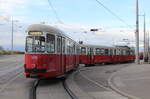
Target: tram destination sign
(35,33)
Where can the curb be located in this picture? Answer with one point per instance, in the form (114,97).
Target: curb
(116,89)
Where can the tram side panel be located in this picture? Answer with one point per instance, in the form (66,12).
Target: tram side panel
(84,59)
(69,62)
(102,59)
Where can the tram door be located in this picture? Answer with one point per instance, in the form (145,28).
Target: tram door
(63,55)
(91,56)
(60,49)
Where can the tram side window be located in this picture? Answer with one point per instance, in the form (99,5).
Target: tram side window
(63,45)
(91,51)
(58,45)
(29,44)
(128,52)
(50,43)
(124,52)
(102,51)
(70,47)
(83,50)
(74,48)
(98,51)
(115,52)
(121,52)
(106,52)
(88,51)
(67,43)
(110,52)
(78,50)
(132,52)
(118,52)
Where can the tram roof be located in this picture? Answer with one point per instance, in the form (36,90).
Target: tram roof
(48,29)
(44,28)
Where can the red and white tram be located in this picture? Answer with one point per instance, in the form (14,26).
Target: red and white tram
(49,53)
(91,54)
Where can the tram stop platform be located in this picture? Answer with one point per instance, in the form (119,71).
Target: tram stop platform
(132,81)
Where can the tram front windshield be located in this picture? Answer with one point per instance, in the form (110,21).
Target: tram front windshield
(35,44)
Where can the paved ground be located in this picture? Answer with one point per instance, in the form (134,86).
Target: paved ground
(14,85)
(10,65)
(94,81)
(133,80)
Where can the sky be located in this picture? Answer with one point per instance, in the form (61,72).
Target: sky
(77,18)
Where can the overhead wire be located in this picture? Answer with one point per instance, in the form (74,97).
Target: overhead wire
(114,14)
(55,12)
(106,8)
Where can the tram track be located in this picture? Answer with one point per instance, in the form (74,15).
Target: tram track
(71,94)
(61,82)
(33,89)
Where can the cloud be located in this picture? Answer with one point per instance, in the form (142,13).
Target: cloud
(109,37)
(5,17)
(19,35)
(10,5)
(41,3)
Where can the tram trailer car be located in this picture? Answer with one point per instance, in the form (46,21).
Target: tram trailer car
(91,54)
(49,53)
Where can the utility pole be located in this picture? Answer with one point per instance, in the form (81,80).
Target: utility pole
(145,54)
(148,54)
(12,35)
(137,33)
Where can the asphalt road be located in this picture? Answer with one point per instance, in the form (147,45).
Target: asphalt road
(14,85)
(10,66)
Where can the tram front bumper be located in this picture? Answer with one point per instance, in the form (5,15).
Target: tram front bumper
(35,70)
